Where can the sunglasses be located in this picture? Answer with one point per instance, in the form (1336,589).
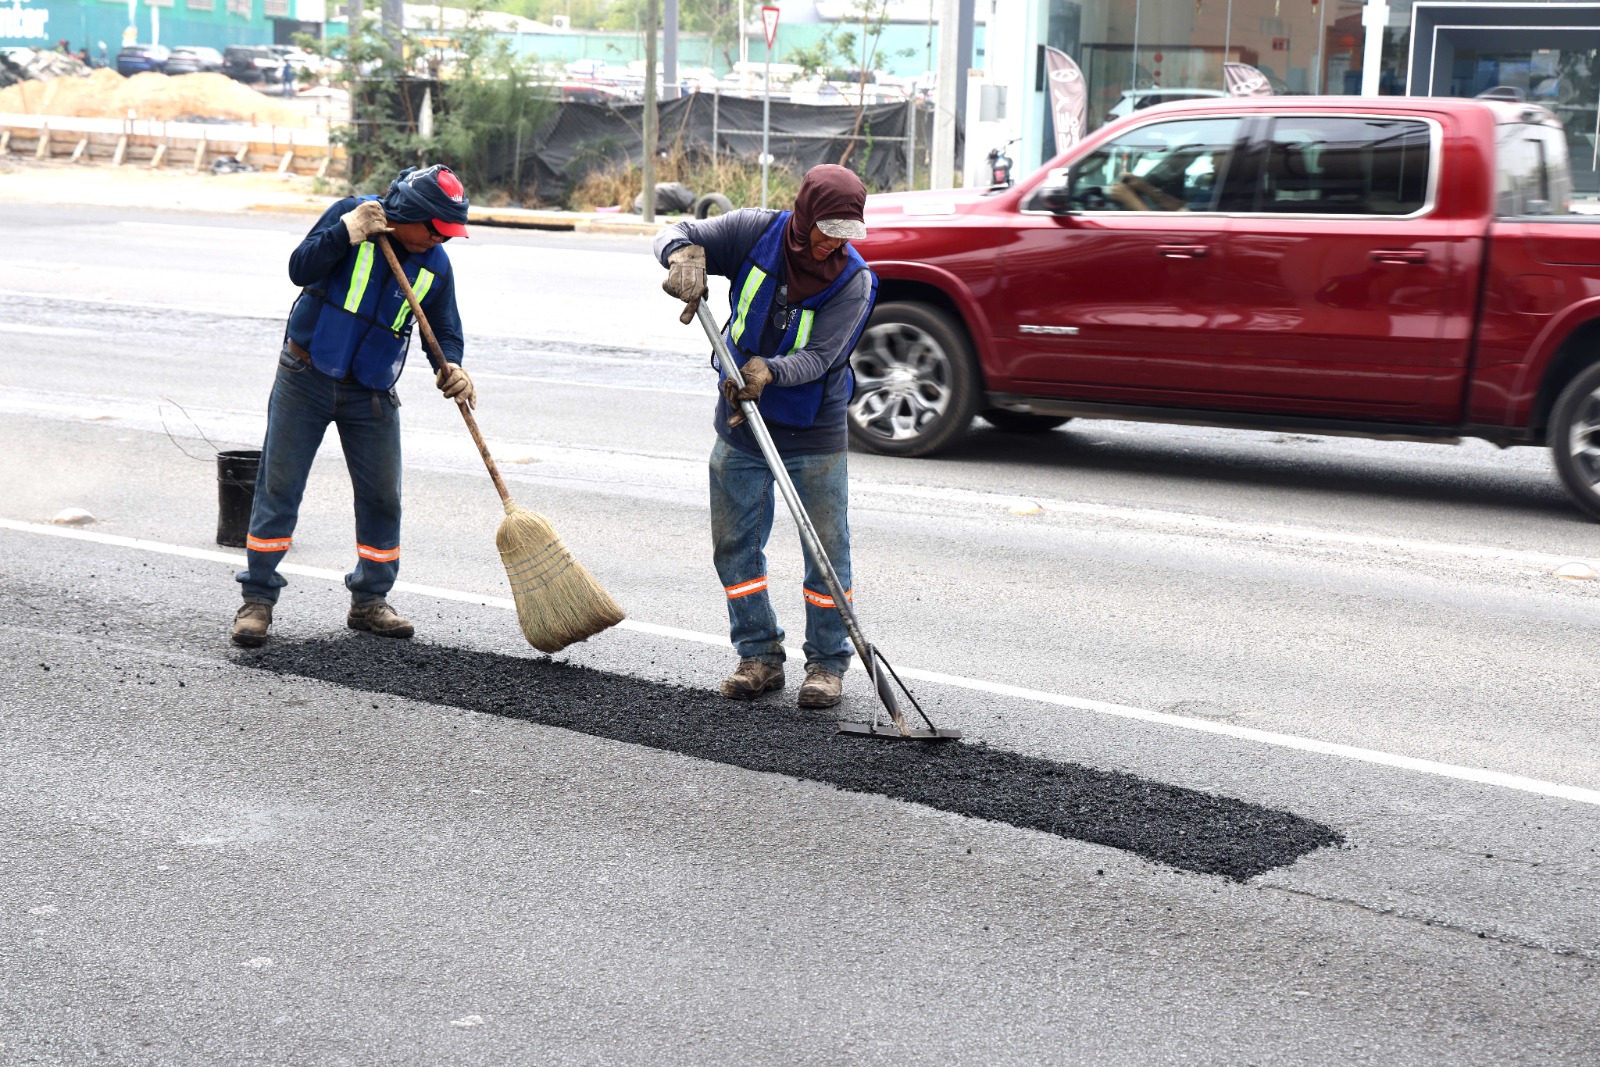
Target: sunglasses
(429,224)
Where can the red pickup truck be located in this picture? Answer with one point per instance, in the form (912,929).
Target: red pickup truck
(1397,267)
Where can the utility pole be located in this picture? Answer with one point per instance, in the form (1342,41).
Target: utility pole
(652,16)
(394,25)
(669,53)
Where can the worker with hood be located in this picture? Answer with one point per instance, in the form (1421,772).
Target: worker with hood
(343,350)
(800,296)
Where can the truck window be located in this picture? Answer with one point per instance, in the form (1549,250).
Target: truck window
(1165,166)
(1345,165)
(1530,169)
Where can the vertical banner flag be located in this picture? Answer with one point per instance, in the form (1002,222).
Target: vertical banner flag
(1245,80)
(1069,98)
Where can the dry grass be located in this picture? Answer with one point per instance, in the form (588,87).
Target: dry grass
(740,182)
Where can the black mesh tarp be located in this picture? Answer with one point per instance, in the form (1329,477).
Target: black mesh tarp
(580,138)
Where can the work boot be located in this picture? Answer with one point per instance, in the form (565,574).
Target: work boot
(752,678)
(822,688)
(379,618)
(250,623)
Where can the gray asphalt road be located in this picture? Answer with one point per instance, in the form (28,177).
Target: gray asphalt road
(458,852)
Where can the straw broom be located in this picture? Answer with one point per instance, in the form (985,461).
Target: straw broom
(558,601)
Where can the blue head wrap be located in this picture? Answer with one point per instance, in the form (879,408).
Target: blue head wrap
(424,195)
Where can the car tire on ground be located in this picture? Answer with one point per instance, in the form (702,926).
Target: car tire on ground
(917,383)
(1022,421)
(703,207)
(1574,439)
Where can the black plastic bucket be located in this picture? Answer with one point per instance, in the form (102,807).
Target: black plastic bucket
(236,491)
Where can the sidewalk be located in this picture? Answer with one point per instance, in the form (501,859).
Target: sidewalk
(30,182)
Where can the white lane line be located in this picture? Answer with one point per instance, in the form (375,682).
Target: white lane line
(1193,523)
(1477,775)
(49,331)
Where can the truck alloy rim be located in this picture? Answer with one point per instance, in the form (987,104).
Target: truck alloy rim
(902,382)
(1584,439)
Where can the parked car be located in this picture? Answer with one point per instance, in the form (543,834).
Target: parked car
(1395,267)
(251,64)
(303,62)
(194,60)
(1139,99)
(138,58)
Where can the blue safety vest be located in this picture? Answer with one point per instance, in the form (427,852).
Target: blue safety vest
(751,297)
(364,327)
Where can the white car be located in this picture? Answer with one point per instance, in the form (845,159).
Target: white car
(1139,99)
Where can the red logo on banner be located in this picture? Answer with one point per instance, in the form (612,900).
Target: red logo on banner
(769,22)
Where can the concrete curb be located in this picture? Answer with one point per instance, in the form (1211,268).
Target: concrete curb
(516,218)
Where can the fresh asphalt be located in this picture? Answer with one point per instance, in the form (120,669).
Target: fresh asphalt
(341,850)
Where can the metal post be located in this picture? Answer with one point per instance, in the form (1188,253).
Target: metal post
(911,142)
(652,12)
(951,71)
(716,117)
(669,52)
(766,126)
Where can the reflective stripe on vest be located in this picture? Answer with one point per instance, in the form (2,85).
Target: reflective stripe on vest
(752,285)
(424,283)
(359,276)
(804,333)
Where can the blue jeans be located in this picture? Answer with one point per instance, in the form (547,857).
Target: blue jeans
(304,401)
(742,503)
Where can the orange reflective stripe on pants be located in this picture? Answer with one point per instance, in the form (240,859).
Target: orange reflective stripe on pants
(823,601)
(378,555)
(746,588)
(267,544)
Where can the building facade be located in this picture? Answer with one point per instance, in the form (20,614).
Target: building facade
(107,24)
(1547,51)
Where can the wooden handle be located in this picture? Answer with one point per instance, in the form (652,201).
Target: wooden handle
(439,363)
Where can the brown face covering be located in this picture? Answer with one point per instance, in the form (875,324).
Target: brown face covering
(828,192)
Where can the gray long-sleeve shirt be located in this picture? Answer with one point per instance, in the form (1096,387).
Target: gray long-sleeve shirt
(728,240)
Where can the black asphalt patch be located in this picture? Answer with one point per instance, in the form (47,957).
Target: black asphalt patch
(1181,828)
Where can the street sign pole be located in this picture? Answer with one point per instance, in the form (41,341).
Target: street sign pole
(769,22)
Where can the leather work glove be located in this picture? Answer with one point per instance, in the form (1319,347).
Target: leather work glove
(757,376)
(455,383)
(686,279)
(364,220)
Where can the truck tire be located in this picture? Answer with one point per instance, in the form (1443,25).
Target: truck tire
(1022,421)
(1574,437)
(917,383)
(703,206)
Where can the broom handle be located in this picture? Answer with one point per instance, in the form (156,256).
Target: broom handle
(437,360)
(808,532)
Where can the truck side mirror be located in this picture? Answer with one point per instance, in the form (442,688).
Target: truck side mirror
(1055,196)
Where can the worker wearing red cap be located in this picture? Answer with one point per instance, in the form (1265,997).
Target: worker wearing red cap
(343,350)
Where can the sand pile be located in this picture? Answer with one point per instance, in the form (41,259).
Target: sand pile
(108,95)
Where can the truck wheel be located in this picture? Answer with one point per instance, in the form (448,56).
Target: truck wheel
(1022,421)
(1574,438)
(712,203)
(917,384)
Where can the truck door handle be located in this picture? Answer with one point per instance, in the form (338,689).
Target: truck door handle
(1183,251)
(1399,255)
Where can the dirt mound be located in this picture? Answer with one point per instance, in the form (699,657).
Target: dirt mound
(108,95)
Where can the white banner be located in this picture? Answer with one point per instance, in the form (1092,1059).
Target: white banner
(1069,98)
(1245,80)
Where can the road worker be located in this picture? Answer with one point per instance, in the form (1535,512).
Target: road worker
(343,350)
(800,299)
